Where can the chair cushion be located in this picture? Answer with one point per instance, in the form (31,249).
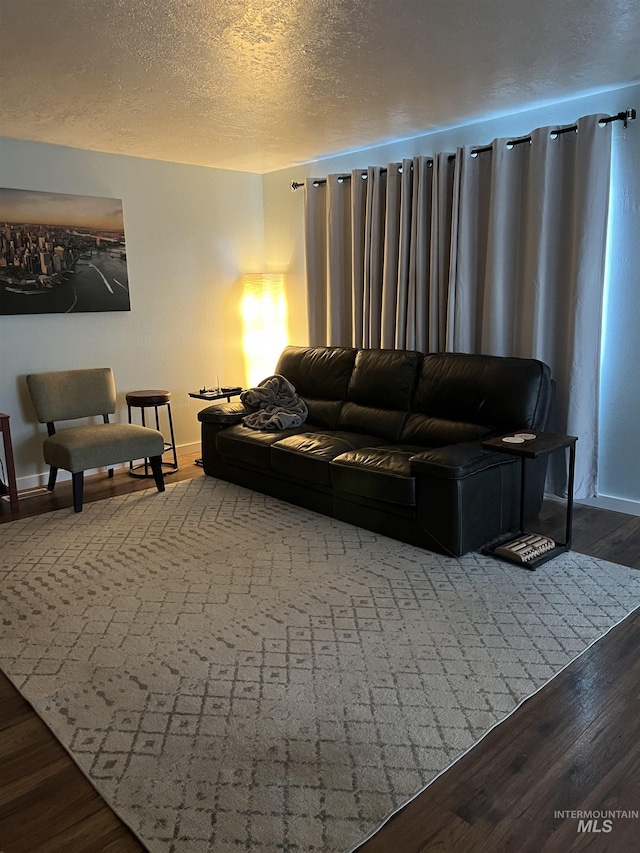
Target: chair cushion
(252,446)
(80,448)
(382,473)
(308,456)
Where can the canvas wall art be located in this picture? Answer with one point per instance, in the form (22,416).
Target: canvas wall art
(61,254)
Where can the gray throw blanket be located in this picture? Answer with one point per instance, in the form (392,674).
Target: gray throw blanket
(277,405)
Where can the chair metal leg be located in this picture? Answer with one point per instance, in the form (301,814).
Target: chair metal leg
(156,467)
(78,488)
(53,473)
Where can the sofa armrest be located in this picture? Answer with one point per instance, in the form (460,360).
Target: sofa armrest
(458,461)
(223,414)
(466,496)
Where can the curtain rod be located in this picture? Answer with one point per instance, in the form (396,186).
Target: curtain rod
(624,116)
(363,174)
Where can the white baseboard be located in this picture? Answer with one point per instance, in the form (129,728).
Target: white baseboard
(40,480)
(614,504)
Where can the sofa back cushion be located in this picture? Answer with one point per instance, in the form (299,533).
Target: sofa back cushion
(438,432)
(380,392)
(473,395)
(321,377)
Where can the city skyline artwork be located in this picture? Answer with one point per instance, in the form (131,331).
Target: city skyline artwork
(61,253)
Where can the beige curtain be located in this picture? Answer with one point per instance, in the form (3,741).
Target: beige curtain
(315,255)
(377,254)
(500,253)
(527,274)
(339,253)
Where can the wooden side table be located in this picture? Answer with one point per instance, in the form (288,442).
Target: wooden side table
(531,448)
(8,455)
(217,393)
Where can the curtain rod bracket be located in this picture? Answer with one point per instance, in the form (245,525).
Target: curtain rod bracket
(625,117)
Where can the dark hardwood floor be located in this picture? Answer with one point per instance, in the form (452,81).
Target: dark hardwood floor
(571,747)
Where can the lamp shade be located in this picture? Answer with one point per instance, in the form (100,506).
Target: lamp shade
(264,317)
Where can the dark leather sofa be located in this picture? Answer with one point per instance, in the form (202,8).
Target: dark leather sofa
(392,442)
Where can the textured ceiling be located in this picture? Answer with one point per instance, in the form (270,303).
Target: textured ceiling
(258,85)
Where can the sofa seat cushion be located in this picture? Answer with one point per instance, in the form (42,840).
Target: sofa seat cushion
(382,473)
(252,446)
(307,456)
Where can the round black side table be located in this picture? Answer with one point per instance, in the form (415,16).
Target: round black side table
(153,400)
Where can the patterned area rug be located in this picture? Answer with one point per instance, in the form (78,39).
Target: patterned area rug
(233,672)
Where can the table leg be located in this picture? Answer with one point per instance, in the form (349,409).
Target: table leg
(570,485)
(522,493)
(11,470)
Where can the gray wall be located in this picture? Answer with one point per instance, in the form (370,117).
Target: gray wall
(191,232)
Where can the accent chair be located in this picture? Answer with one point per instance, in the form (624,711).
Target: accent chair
(68,395)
